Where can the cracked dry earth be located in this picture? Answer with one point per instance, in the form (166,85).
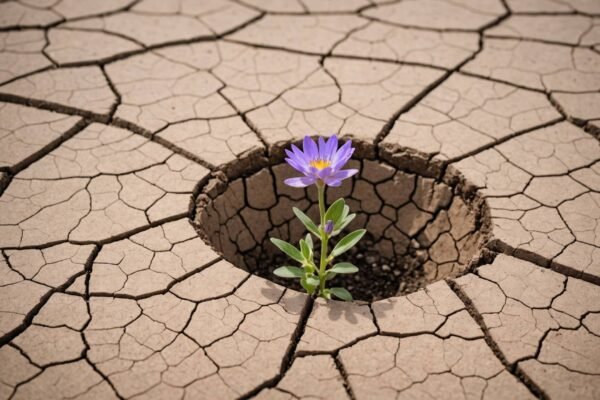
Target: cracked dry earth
(115,114)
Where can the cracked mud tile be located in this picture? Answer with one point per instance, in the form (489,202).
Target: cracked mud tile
(334,324)
(325,381)
(552,378)
(514,298)
(24,14)
(218,141)
(507,169)
(439,14)
(223,315)
(533,6)
(101,183)
(491,174)
(63,310)
(149,261)
(82,88)
(434,309)
(254,77)
(541,188)
(538,65)
(153,23)
(166,346)
(567,29)
(464,114)
(79,46)
(14,369)
(305,33)
(53,346)
(581,257)
(580,107)
(219,16)
(348,97)
(76,380)
(524,227)
(138,346)
(50,345)
(253,354)
(307,6)
(426,366)
(441,352)
(217,280)
(542,320)
(582,214)
(21,53)
(26,132)
(383,41)
(28,276)
(553,150)
(156,91)
(19,14)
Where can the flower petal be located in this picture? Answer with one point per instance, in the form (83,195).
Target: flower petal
(342,156)
(324,173)
(301,181)
(322,149)
(289,153)
(310,148)
(300,155)
(344,174)
(296,162)
(331,147)
(295,165)
(333,182)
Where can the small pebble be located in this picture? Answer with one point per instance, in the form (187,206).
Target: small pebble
(371,259)
(386,268)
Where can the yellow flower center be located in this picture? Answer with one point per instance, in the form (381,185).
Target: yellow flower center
(320,164)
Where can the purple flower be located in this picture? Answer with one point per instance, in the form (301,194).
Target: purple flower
(320,164)
(328,227)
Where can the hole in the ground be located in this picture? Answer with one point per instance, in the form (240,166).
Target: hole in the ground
(420,229)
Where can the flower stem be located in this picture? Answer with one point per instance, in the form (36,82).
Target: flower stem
(324,238)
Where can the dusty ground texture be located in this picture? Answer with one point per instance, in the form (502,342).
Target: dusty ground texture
(114,114)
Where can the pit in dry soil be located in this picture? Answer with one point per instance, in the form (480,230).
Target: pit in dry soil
(420,230)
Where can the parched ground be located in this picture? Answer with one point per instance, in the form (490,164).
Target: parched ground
(113,113)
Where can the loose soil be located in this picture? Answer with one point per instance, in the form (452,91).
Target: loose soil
(378,277)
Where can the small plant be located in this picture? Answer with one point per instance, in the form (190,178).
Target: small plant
(321,166)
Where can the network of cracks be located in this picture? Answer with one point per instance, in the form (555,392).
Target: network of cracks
(114,112)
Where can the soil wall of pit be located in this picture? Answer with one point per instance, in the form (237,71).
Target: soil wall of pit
(419,229)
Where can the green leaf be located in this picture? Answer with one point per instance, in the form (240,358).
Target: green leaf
(309,241)
(288,271)
(288,249)
(345,212)
(308,289)
(344,268)
(330,275)
(306,251)
(344,223)
(335,211)
(309,283)
(347,242)
(305,219)
(312,280)
(341,293)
